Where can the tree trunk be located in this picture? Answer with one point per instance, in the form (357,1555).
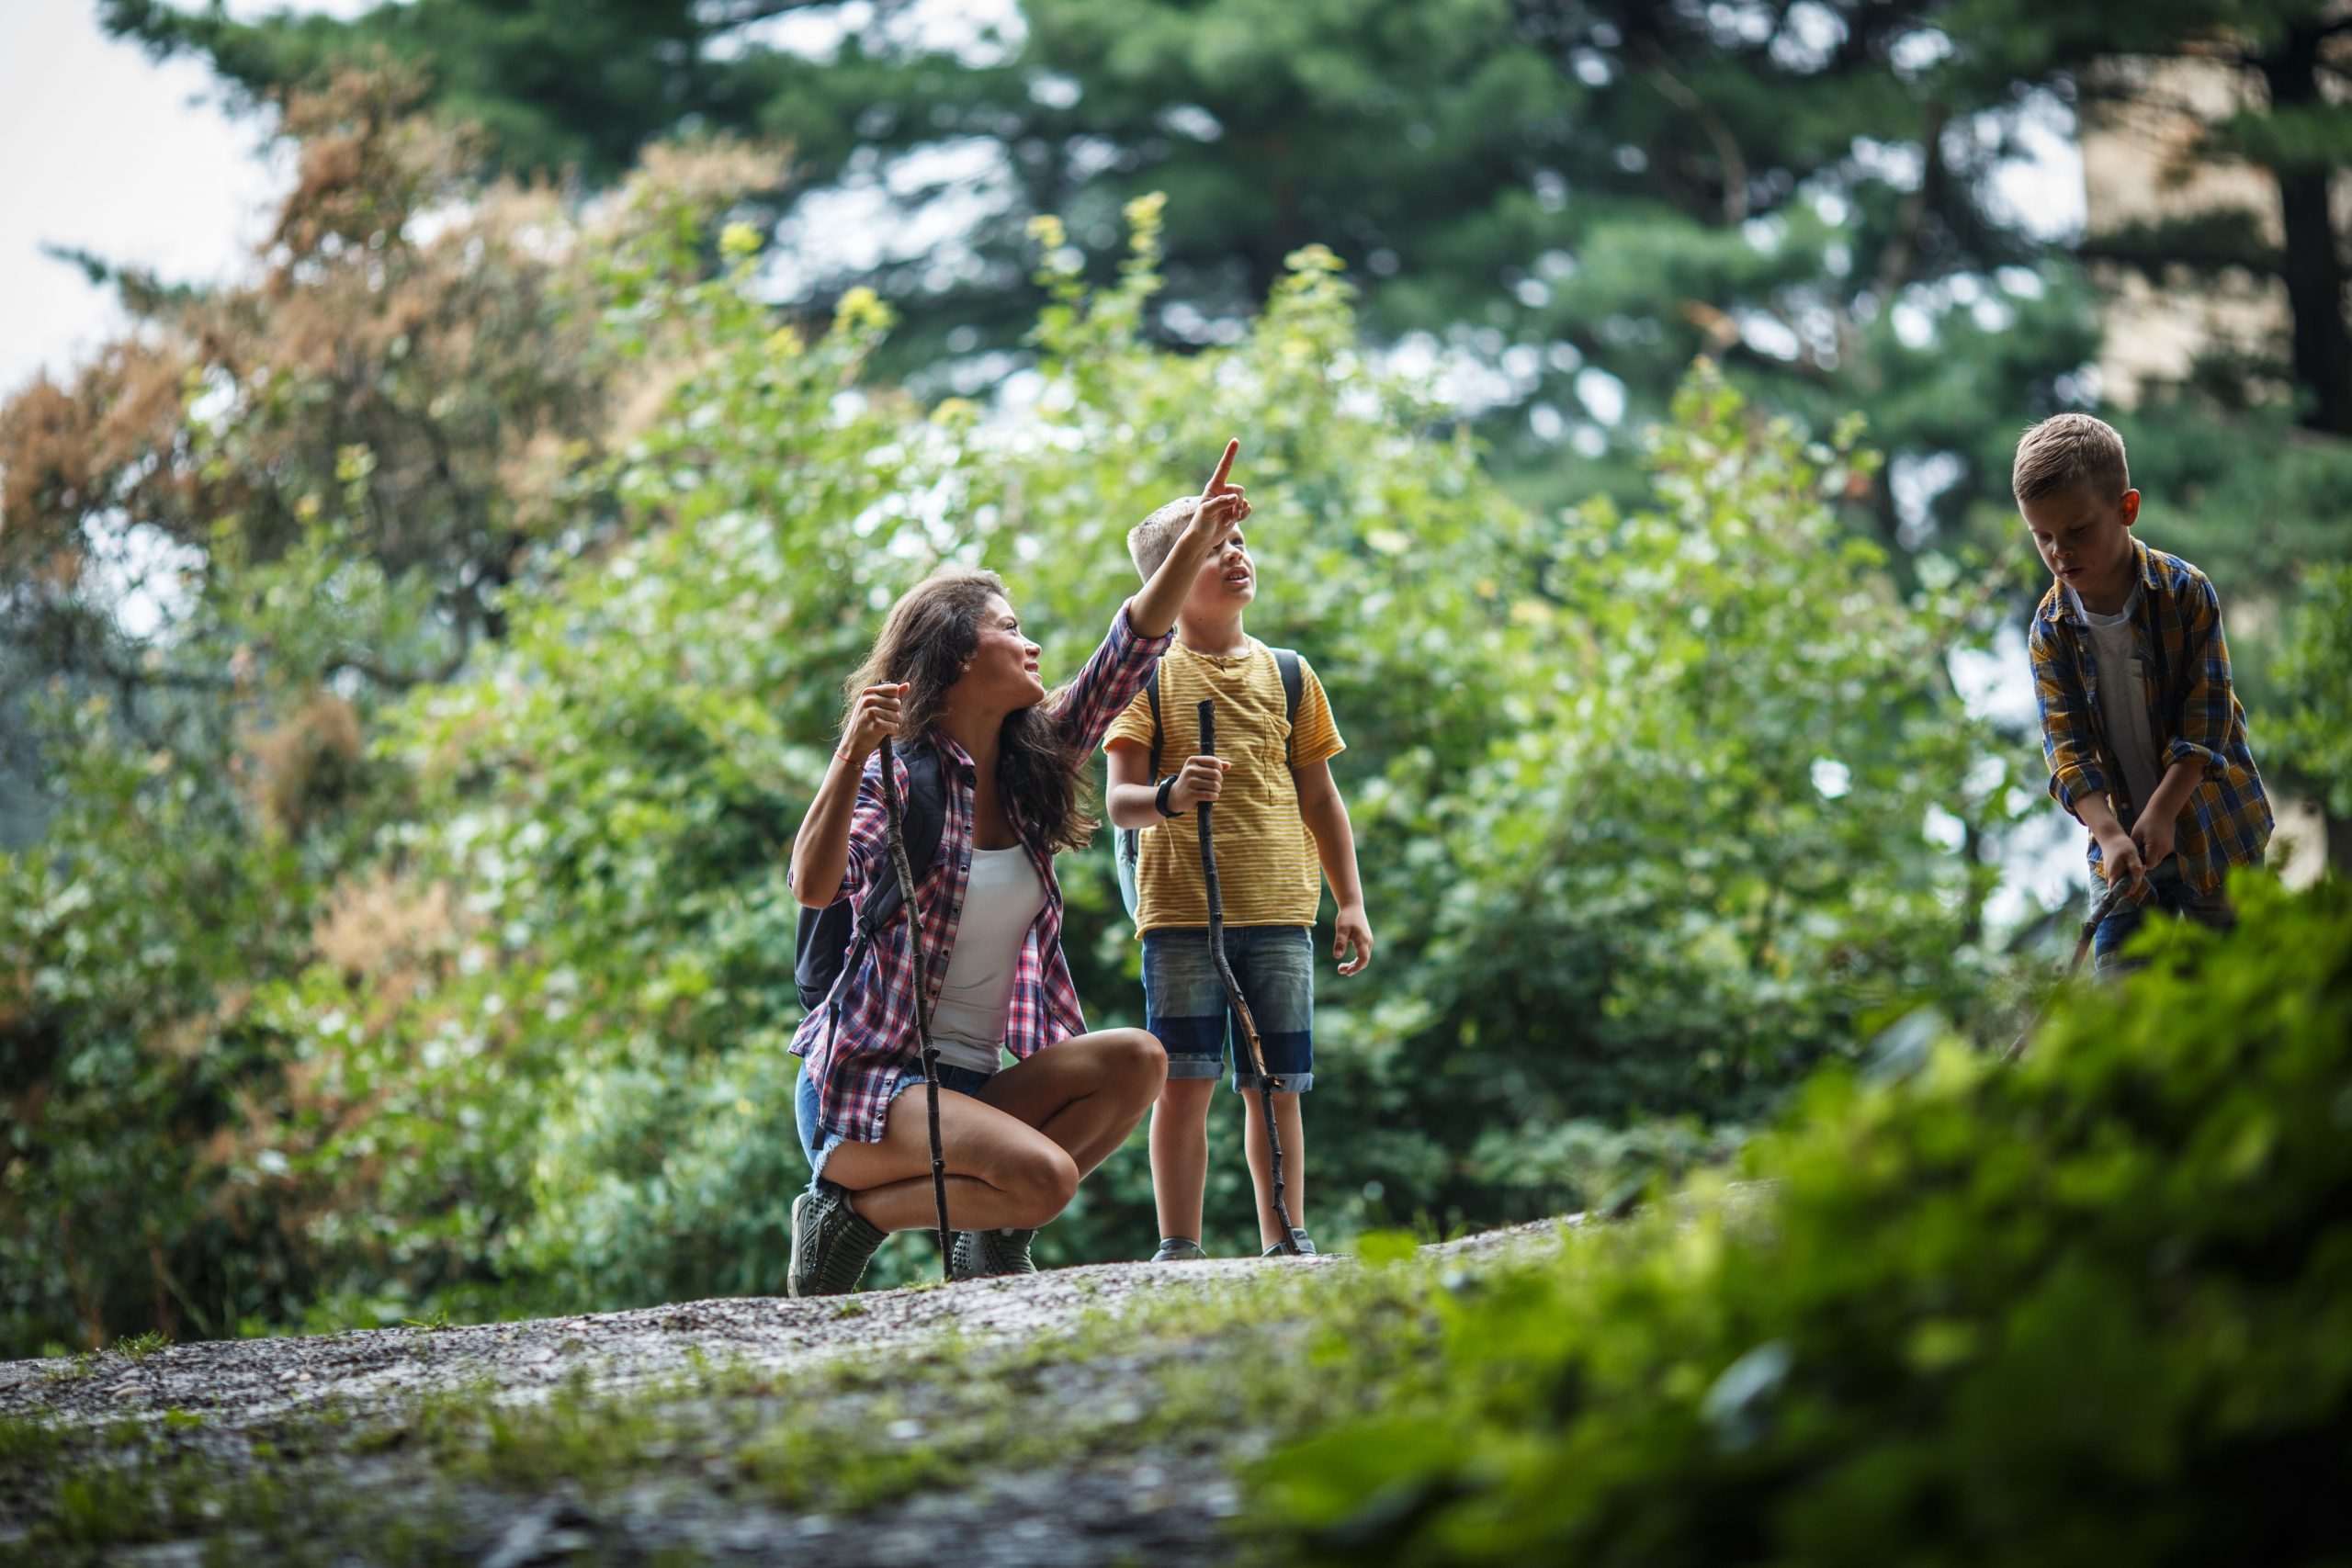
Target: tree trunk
(2313,261)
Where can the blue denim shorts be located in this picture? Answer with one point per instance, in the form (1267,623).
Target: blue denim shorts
(2169,894)
(1184,1002)
(815,1143)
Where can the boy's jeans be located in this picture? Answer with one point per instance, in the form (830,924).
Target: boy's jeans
(2168,893)
(1185,1005)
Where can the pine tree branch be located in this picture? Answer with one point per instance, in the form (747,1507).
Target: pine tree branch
(1678,92)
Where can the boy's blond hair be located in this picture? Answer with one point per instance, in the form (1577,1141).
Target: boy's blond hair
(2065,450)
(1149,541)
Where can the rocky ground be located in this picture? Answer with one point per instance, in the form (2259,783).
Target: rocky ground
(1083,1416)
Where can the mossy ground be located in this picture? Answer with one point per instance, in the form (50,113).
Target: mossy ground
(1141,1401)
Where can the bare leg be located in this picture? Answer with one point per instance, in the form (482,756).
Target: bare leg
(1087,1093)
(1015,1152)
(1000,1170)
(1261,1164)
(1179,1154)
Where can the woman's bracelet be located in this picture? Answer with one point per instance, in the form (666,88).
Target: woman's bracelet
(1159,796)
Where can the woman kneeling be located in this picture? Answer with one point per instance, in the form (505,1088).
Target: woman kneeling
(952,673)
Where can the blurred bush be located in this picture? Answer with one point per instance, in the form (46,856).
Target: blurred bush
(2090,1309)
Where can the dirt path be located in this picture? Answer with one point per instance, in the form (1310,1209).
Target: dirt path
(227,1414)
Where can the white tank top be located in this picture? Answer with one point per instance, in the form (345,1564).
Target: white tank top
(1001,901)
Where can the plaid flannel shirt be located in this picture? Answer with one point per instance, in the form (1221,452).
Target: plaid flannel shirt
(858,1045)
(2194,715)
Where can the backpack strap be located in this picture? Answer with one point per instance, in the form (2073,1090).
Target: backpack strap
(1294,681)
(1152,695)
(926,820)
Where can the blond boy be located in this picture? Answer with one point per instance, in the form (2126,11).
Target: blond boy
(1281,827)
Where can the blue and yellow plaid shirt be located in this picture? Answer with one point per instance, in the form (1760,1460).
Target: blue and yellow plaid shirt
(2193,713)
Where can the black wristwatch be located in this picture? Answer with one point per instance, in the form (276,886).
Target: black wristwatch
(1160,797)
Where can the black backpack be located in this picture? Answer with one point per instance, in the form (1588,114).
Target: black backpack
(1126,844)
(830,942)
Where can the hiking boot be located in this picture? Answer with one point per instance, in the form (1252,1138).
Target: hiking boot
(1304,1243)
(831,1242)
(1178,1249)
(980,1254)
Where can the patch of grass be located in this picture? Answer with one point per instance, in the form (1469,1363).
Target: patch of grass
(138,1347)
(28,1439)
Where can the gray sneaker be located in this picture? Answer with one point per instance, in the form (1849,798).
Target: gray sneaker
(831,1242)
(1299,1235)
(1178,1249)
(980,1254)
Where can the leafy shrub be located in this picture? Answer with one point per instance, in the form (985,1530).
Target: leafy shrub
(2314,672)
(1643,800)
(2095,1308)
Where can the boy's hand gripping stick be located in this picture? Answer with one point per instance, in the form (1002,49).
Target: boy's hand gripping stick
(894,813)
(2106,904)
(1266,1085)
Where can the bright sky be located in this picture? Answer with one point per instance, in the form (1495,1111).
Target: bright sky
(112,154)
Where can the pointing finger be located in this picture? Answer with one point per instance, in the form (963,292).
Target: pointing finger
(1224,466)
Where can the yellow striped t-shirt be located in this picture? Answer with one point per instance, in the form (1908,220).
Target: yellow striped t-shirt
(1267,870)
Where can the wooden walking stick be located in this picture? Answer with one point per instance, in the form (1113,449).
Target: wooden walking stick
(2101,907)
(894,813)
(1266,1085)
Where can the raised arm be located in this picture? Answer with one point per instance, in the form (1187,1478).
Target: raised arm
(1222,509)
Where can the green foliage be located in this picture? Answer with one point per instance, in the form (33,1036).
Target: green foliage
(1546,194)
(131,1051)
(555,85)
(474,1000)
(2264,118)
(2089,1308)
(2314,676)
(1712,793)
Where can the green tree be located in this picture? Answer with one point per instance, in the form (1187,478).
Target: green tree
(1572,200)
(2263,87)
(331,473)
(504,1004)
(556,85)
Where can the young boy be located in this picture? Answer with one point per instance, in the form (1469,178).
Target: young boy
(1277,815)
(2146,740)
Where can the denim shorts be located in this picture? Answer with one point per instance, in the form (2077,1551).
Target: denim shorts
(1185,1001)
(815,1143)
(2168,893)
